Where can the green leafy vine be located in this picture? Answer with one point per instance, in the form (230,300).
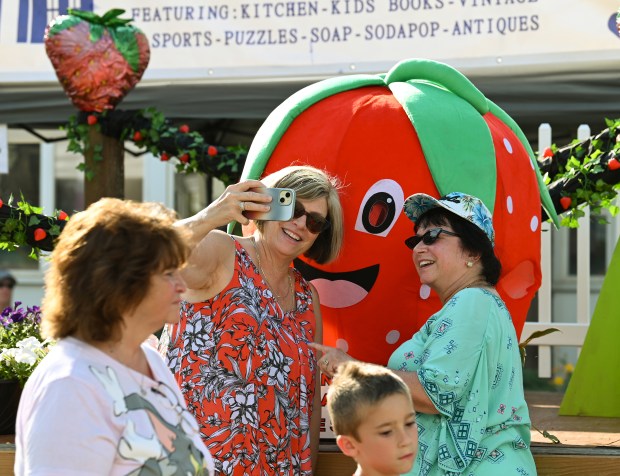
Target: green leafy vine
(22,225)
(584,173)
(149,130)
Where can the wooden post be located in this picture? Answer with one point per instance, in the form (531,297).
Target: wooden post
(107,167)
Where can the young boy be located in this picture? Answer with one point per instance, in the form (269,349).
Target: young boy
(373,418)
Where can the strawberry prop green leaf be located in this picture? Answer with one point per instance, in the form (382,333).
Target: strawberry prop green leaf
(97,59)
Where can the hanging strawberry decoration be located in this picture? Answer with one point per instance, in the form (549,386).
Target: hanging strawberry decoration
(39,234)
(566,202)
(613,164)
(98,59)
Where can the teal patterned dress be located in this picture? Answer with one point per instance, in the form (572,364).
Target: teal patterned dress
(467,359)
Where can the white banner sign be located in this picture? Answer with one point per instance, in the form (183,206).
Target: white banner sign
(239,39)
(4,149)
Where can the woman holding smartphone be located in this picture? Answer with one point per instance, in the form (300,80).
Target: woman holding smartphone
(240,351)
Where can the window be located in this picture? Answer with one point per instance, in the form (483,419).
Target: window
(599,243)
(193,192)
(603,239)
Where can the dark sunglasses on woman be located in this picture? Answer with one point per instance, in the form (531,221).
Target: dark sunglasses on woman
(428,238)
(315,223)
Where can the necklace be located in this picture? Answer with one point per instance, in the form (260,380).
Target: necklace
(289,289)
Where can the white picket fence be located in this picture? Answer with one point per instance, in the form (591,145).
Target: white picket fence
(571,333)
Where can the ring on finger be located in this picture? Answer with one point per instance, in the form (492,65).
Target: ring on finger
(242,205)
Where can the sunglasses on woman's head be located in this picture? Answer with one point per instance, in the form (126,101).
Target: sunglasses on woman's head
(428,238)
(315,223)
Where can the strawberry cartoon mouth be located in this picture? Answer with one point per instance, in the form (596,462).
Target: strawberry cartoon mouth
(338,290)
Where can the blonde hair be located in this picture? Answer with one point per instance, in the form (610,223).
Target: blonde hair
(311,183)
(102,265)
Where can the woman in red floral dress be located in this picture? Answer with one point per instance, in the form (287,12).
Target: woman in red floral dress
(240,351)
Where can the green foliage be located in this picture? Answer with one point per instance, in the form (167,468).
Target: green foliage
(581,169)
(79,142)
(149,130)
(20,220)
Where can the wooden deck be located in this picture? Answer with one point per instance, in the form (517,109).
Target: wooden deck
(589,446)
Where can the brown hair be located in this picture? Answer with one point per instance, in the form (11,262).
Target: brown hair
(356,386)
(311,183)
(102,265)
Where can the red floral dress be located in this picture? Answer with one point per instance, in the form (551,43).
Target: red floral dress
(247,373)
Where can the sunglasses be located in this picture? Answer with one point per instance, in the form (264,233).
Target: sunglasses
(428,238)
(315,223)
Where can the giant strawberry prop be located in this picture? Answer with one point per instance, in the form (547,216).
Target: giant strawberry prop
(98,59)
(422,127)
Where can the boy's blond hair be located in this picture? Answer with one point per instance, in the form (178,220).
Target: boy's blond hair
(358,385)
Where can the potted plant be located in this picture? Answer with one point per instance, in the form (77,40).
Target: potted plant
(21,350)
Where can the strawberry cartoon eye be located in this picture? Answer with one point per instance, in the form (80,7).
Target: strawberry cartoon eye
(380,208)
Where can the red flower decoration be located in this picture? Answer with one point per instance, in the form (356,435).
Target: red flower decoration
(137,136)
(613,164)
(92,120)
(548,152)
(184,158)
(164,157)
(184,129)
(212,150)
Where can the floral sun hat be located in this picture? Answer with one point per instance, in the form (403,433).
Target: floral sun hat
(461,204)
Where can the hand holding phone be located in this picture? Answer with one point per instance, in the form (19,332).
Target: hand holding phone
(282,205)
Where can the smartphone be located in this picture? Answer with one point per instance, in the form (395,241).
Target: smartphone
(282,205)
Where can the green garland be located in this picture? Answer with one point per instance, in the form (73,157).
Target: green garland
(23,225)
(584,173)
(150,131)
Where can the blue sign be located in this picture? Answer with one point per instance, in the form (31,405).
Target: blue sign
(34,15)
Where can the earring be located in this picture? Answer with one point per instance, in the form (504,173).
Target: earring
(470,264)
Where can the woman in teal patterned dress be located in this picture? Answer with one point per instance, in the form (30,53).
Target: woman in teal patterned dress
(463,366)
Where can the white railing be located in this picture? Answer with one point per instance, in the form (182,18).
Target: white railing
(571,333)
